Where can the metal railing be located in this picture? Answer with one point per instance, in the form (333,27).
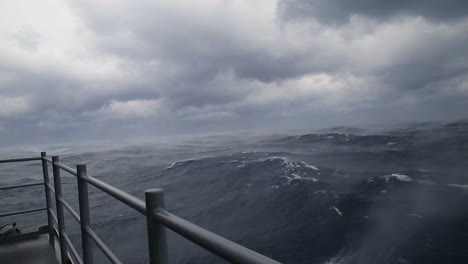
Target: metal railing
(21,186)
(158,219)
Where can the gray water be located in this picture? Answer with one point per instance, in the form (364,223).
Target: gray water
(340,195)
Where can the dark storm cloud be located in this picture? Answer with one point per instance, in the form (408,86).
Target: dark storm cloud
(56,91)
(432,62)
(340,11)
(166,67)
(200,49)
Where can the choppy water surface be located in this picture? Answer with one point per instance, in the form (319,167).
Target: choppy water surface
(341,195)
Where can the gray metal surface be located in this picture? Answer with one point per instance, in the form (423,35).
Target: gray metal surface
(19,160)
(59,206)
(21,186)
(70,209)
(65,168)
(156,232)
(72,250)
(84,213)
(36,250)
(45,174)
(24,211)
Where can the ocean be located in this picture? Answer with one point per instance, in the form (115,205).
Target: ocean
(337,195)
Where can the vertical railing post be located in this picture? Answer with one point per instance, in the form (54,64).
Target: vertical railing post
(45,173)
(156,232)
(84,214)
(59,206)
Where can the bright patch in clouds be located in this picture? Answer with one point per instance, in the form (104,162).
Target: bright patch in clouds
(131,109)
(11,106)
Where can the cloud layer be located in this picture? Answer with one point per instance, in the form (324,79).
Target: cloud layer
(99,69)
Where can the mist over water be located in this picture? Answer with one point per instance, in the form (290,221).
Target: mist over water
(339,195)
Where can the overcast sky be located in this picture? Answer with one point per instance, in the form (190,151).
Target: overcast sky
(90,69)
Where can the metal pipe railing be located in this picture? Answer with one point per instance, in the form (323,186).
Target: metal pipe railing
(70,209)
(84,213)
(50,188)
(47,190)
(24,211)
(54,218)
(153,208)
(218,245)
(72,249)
(20,186)
(156,232)
(109,254)
(59,207)
(19,160)
(65,168)
(118,194)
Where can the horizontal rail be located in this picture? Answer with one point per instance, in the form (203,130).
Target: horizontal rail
(51,189)
(218,245)
(70,209)
(21,186)
(54,217)
(56,232)
(71,248)
(19,160)
(208,240)
(212,242)
(66,168)
(24,211)
(118,194)
(109,254)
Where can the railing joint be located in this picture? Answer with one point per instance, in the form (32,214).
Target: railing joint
(157,244)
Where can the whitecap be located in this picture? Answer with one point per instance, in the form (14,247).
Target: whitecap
(458,185)
(415,215)
(172,166)
(294,176)
(339,259)
(337,210)
(321,191)
(399,177)
(309,166)
(294,170)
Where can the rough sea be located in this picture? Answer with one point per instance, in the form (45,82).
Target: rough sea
(338,195)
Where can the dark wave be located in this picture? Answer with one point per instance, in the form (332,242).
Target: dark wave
(334,196)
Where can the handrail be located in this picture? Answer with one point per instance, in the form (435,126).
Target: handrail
(109,254)
(218,245)
(75,254)
(24,211)
(65,168)
(70,209)
(20,159)
(118,194)
(21,186)
(51,189)
(54,218)
(153,209)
